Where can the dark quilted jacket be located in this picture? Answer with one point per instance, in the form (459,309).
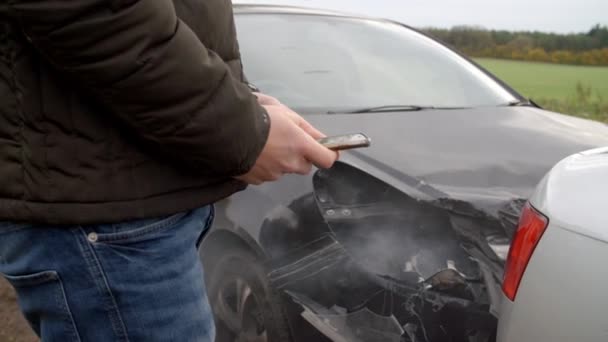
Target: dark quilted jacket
(113,110)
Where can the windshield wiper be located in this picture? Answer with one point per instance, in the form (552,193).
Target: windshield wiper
(383,109)
(522,103)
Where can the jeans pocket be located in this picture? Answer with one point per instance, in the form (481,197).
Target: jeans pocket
(135,231)
(42,298)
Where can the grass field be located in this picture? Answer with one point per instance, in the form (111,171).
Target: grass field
(568,89)
(542,80)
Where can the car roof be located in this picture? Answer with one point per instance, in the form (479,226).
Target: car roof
(250,8)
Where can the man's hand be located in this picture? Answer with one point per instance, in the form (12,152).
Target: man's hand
(291,148)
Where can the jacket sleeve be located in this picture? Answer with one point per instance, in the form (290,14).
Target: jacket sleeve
(141,61)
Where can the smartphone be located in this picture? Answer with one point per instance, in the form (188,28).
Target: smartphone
(346,142)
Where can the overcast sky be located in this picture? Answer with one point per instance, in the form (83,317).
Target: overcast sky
(561,16)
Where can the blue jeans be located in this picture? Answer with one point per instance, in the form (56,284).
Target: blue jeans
(134,281)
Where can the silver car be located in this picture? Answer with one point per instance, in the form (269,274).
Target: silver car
(555,278)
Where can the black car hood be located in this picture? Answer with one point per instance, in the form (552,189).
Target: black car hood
(484,156)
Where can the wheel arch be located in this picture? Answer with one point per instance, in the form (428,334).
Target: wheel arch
(218,241)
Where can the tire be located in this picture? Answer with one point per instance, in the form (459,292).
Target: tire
(245,307)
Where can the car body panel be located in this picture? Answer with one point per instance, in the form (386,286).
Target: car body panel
(454,151)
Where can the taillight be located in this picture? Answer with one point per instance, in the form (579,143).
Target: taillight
(532,225)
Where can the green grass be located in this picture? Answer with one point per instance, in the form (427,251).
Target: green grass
(543,80)
(576,90)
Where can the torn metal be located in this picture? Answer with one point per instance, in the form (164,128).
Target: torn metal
(342,326)
(393,268)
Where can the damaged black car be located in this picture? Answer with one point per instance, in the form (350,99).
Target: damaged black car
(402,241)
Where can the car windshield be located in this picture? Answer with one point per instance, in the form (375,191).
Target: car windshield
(331,63)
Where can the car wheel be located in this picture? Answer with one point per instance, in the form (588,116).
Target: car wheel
(245,307)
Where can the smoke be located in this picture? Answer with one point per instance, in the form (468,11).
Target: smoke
(397,248)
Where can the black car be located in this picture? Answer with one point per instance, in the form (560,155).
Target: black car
(404,240)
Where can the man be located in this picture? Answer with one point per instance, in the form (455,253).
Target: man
(120,122)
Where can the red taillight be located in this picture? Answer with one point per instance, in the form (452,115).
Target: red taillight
(532,225)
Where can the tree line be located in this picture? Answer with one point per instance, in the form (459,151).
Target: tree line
(589,48)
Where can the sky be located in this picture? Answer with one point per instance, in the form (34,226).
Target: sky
(558,16)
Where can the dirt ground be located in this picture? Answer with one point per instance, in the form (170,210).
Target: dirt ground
(13,327)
